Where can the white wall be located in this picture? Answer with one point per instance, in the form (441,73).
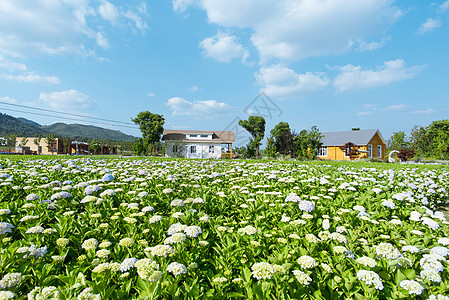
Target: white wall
(184,148)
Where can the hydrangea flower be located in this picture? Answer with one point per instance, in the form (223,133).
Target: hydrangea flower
(10,280)
(176,268)
(412,286)
(127,264)
(370,278)
(302,277)
(307,262)
(262,270)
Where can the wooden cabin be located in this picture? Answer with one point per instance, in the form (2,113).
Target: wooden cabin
(370,144)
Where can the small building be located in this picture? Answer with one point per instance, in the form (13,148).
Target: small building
(370,144)
(36,146)
(198,144)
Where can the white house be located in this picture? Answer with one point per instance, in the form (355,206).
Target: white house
(198,144)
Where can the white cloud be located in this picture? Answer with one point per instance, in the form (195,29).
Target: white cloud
(31,78)
(370,46)
(108,11)
(354,78)
(429,25)
(11,65)
(102,41)
(424,112)
(445,6)
(365,113)
(223,47)
(181,5)
(149,94)
(284,83)
(70,99)
(291,30)
(397,107)
(369,109)
(137,19)
(197,108)
(8,99)
(193,88)
(54,27)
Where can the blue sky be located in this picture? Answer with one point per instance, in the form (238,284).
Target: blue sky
(336,64)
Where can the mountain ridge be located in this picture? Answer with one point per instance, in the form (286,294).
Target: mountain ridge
(25,127)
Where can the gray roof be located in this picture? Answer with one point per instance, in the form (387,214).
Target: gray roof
(357,137)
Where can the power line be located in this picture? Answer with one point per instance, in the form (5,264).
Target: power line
(64,113)
(52,116)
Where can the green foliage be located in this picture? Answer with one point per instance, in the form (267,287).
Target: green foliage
(278,135)
(152,127)
(308,143)
(398,141)
(50,140)
(426,141)
(255,125)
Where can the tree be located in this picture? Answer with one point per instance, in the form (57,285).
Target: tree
(278,134)
(255,125)
(152,127)
(405,154)
(270,149)
(50,140)
(37,142)
(439,134)
(397,141)
(66,142)
(94,145)
(308,143)
(23,142)
(10,141)
(351,150)
(421,141)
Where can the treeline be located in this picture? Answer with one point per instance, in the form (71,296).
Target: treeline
(430,141)
(283,141)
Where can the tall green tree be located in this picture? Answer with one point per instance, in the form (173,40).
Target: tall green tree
(439,133)
(23,142)
(37,142)
(255,125)
(10,141)
(308,143)
(50,140)
(66,142)
(421,141)
(279,134)
(152,127)
(397,141)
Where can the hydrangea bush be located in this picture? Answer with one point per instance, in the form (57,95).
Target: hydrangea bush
(85,228)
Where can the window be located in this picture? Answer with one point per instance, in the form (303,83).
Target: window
(370,150)
(379,151)
(192,149)
(175,148)
(347,151)
(322,152)
(211,149)
(204,136)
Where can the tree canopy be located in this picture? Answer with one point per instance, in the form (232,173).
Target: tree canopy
(152,127)
(255,125)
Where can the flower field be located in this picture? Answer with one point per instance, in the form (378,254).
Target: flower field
(88,228)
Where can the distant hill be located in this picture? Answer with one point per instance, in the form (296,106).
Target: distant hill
(28,121)
(11,125)
(87,131)
(25,127)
